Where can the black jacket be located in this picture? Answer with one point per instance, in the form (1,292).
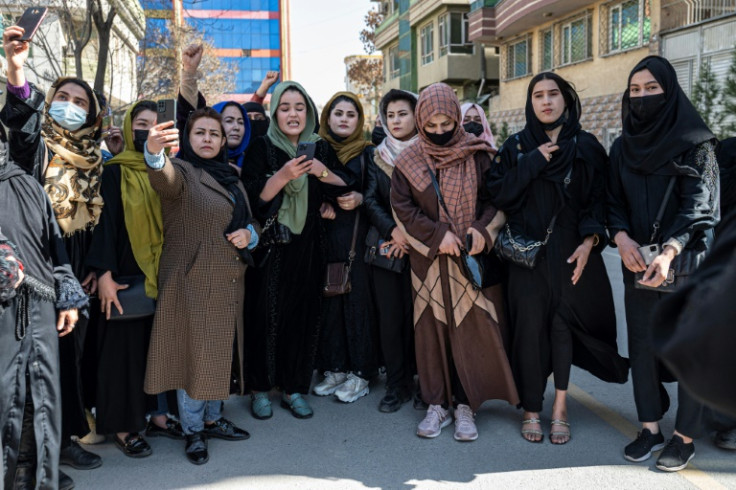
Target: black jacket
(377,199)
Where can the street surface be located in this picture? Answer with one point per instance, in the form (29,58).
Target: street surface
(352,446)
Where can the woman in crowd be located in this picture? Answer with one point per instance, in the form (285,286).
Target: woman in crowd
(549,179)
(347,346)
(199,314)
(664,159)
(127,243)
(392,287)
(475,122)
(56,142)
(287,192)
(459,346)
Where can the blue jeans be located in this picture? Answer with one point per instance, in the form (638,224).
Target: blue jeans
(193,413)
(162,406)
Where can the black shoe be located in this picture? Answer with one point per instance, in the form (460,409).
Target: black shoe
(173,430)
(726,439)
(134,446)
(393,399)
(196,448)
(65,481)
(419,403)
(75,456)
(644,445)
(676,455)
(224,429)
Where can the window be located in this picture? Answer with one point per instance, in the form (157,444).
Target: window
(629,25)
(391,68)
(453,32)
(518,63)
(576,42)
(548,50)
(427,43)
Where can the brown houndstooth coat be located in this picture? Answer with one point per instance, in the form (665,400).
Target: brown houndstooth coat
(201,288)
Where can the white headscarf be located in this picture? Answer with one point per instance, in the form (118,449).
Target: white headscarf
(390,147)
(487,134)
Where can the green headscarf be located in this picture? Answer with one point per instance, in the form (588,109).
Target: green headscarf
(293,210)
(141,208)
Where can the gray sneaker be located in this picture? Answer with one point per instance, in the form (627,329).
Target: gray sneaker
(330,384)
(352,389)
(437,418)
(465,429)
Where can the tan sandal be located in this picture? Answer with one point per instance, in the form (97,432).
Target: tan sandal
(534,432)
(558,433)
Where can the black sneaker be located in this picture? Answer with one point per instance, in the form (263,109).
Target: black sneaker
(393,399)
(65,481)
(77,457)
(646,443)
(726,439)
(676,455)
(224,429)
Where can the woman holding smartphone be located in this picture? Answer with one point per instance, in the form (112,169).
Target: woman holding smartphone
(662,202)
(286,192)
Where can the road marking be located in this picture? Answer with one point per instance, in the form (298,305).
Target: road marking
(693,474)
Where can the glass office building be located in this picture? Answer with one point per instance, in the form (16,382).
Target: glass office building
(250,34)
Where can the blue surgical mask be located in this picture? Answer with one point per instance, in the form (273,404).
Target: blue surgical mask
(67,115)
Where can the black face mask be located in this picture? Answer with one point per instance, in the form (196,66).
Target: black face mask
(559,122)
(473,127)
(378,135)
(139,139)
(258,127)
(441,139)
(646,108)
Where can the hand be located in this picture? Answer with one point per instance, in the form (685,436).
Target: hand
(240,238)
(394,250)
(658,269)
(115,141)
(67,321)
(327,211)
(108,294)
(90,283)
(628,249)
(479,242)
(350,201)
(547,149)
(450,244)
(191,57)
(16,52)
(295,168)
(270,78)
(580,255)
(317,168)
(398,238)
(159,137)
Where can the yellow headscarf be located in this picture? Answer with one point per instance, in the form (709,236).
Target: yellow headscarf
(141,208)
(353,145)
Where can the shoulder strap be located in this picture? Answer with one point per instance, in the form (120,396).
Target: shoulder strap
(351,255)
(436,186)
(660,214)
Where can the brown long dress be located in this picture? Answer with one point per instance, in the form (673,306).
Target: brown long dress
(453,323)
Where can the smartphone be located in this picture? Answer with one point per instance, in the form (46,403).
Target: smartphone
(166,110)
(106,123)
(306,149)
(382,247)
(30,21)
(649,252)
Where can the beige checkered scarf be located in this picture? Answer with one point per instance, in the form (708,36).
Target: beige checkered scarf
(453,163)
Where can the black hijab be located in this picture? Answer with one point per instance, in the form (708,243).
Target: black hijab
(726,156)
(225,175)
(533,135)
(258,126)
(648,147)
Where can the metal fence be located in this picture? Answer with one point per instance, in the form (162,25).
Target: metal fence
(681,13)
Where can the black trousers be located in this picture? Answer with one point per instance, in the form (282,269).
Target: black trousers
(648,373)
(71,349)
(394,305)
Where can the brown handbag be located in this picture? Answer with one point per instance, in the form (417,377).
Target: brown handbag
(337,275)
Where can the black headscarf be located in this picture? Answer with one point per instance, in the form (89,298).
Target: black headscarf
(649,147)
(258,127)
(533,135)
(726,156)
(225,175)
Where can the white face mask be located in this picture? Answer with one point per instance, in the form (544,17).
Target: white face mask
(67,115)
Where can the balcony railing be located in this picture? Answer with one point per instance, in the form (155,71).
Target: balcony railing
(681,13)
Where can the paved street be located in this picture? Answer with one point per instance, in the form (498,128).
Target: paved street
(356,446)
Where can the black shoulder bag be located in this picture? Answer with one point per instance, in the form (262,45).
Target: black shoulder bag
(681,266)
(475,268)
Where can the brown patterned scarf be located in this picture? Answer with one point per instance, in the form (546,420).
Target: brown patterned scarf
(72,179)
(454,162)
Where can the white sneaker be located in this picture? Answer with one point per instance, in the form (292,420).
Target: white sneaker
(465,429)
(436,419)
(352,389)
(331,382)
